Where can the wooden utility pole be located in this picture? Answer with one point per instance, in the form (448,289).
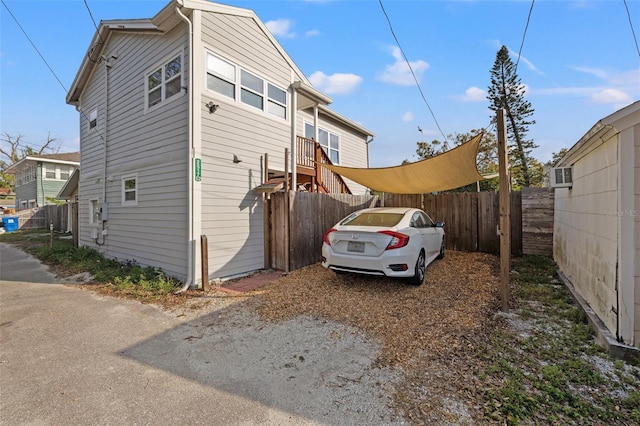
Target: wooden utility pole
(287,216)
(265,213)
(505,214)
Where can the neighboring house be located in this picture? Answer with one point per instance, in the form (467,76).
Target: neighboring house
(69,193)
(7,200)
(39,178)
(177,113)
(597,221)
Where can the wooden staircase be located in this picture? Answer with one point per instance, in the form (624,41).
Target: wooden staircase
(311,175)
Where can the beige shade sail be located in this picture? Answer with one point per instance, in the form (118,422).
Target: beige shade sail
(449,170)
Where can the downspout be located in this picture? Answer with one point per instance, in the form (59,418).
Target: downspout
(190,238)
(106,121)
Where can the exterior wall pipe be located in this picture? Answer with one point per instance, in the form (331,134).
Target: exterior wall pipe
(190,238)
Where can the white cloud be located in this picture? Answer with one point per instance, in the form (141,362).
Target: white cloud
(399,72)
(629,78)
(407,117)
(514,57)
(281,28)
(312,33)
(474,94)
(611,96)
(335,84)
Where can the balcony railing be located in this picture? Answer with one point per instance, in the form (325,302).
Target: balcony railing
(320,179)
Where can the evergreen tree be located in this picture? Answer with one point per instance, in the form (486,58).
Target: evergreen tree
(506,91)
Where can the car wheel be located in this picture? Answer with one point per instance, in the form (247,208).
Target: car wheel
(418,277)
(441,254)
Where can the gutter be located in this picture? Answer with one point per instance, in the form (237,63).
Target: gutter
(190,238)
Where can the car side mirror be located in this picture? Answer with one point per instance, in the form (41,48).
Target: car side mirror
(439,224)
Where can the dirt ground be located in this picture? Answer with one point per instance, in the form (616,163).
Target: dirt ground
(425,331)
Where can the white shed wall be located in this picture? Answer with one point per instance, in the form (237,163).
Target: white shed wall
(586,227)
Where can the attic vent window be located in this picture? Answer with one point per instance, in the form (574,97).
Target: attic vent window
(164,82)
(93,118)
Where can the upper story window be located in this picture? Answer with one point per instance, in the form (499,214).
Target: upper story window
(56,172)
(329,141)
(236,83)
(26,175)
(164,81)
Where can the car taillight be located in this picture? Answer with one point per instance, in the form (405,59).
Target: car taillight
(397,239)
(325,237)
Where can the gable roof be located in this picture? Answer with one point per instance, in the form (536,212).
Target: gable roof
(601,131)
(70,158)
(70,186)
(165,20)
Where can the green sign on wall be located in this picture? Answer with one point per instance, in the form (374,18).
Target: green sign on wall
(198,169)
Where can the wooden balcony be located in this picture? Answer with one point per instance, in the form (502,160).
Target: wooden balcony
(311,174)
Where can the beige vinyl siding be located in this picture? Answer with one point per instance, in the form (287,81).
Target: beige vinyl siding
(150,144)
(241,40)
(353,146)
(636,212)
(232,213)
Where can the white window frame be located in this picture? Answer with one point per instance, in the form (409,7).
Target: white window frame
(94,211)
(271,105)
(49,168)
(33,204)
(162,87)
(126,191)
(327,148)
(93,118)
(57,171)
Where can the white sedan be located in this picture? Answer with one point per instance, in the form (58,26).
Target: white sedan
(389,241)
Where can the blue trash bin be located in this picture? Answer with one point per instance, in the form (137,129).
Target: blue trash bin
(10,223)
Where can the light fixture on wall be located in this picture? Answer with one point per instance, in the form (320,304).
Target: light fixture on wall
(236,160)
(212,107)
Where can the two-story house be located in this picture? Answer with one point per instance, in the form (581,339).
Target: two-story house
(39,178)
(177,113)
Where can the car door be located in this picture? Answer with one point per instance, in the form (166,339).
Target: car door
(431,236)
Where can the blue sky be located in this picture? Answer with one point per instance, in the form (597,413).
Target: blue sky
(579,63)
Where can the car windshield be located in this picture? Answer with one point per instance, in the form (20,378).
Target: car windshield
(373,219)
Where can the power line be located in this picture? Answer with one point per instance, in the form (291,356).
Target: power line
(635,39)
(44,60)
(101,42)
(34,46)
(411,69)
(91,15)
(524,34)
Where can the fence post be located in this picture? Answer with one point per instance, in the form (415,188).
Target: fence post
(205,262)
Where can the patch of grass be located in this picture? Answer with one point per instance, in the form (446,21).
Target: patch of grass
(550,374)
(145,283)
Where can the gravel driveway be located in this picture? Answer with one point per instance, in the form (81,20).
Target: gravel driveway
(70,357)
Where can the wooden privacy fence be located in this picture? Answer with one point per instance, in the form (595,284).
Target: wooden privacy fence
(471,221)
(42,217)
(470,218)
(312,213)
